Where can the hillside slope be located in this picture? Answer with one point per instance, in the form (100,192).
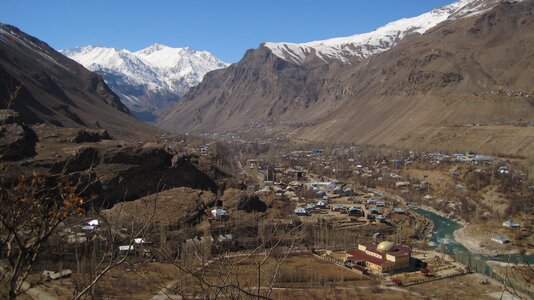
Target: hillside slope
(426,92)
(430,91)
(260,88)
(362,46)
(150,80)
(55,89)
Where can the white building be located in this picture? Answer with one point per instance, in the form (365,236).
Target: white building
(511,224)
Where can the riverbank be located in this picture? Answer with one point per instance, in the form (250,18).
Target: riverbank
(442,214)
(477,239)
(475,244)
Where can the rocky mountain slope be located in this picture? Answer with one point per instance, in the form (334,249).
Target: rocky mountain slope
(362,46)
(464,84)
(151,79)
(108,170)
(52,88)
(424,91)
(259,88)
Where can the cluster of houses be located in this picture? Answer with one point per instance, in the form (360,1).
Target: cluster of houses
(287,191)
(501,239)
(81,233)
(372,209)
(206,245)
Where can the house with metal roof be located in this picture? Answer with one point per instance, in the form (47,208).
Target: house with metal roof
(500,239)
(398,210)
(301,211)
(355,211)
(219,213)
(511,224)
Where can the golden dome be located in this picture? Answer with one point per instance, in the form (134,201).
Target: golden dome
(385,246)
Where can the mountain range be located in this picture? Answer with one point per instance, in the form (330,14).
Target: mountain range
(362,46)
(47,87)
(420,82)
(148,80)
(458,77)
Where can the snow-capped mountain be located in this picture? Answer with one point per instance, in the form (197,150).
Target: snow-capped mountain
(361,46)
(150,79)
(287,86)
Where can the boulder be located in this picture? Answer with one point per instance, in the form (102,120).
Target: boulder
(17,141)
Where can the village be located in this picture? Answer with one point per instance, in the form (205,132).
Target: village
(354,211)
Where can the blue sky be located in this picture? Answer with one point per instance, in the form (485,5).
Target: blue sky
(227,28)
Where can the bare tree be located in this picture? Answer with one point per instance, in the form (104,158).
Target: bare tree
(30,211)
(251,274)
(110,258)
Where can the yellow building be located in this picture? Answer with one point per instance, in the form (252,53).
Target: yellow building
(384,257)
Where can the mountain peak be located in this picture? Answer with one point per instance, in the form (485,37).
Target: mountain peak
(149,78)
(361,46)
(153,48)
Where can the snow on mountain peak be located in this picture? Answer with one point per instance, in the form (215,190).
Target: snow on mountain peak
(366,44)
(156,69)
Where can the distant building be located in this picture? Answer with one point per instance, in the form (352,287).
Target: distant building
(301,211)
(402,184)
(310,206)
(398,210)
(337,207)
(293,174)
(126,248)
(317,150)
(355,211)
(511,224)
(61,274)
(322,204)
(500,239)
(384,257)
(321,194)
(219,214)
(504,170)
(94,223)
(373,211)
(482,158)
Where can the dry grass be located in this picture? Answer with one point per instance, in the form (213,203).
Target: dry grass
(460,287)
(479,235)
(343,293)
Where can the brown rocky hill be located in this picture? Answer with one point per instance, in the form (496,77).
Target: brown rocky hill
(107,170)
(55,89)
(426,92)
(466,84)
(261,87)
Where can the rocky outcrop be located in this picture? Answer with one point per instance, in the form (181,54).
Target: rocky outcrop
(241,200)
(174,207)
(44,86)
(17,140)
(133,172)
(90,136)
(109,170)
(260,88)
